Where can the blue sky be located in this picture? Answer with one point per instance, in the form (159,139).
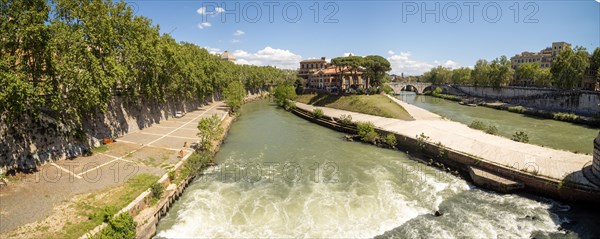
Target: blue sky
(405,32)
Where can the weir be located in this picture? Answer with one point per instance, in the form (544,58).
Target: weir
(540,170)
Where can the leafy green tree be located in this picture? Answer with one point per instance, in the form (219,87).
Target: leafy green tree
(501,72)
(283,94)
(569,67)
(595,63)
(527,71)
(543,77)
(438,75)
(375,69)
(480,74)
(209,131)
(461,76)
(234,95)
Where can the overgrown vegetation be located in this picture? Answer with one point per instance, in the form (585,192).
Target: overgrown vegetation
(209,130)
(565,116)
(479,125)
(520,136)
(157,190)
(284,94)
(317,113)
(422,140)
(378,105)
(345,120)
(101,208)
(121,226)
(390,140)
(367,133)
(517,109)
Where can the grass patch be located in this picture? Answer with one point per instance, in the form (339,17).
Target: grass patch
(378,105)
(99,206)
(100,149)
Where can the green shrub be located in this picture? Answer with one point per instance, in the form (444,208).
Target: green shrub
(171,174)
(492,130)
(479,125)
(366,131)
(422,140)
(345,120)
(517,109)
(565,116)
(157,190)
(197,161)
(390,140)
(317,113)
(520,136)
(121,226)
(388,89)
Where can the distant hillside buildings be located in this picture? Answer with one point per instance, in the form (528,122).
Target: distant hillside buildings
(226,56)
(319,74)
(544,58)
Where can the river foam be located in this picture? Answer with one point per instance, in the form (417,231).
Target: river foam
(339,189)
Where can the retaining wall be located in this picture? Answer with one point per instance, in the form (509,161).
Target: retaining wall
(564,190)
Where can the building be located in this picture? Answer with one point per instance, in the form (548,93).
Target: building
(226,56)
(319,74)
(544,58)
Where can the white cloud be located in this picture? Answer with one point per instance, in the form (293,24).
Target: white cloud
(217,10)
(213,50)
(204,25)
(349,53)
(391,52)
(239,33)
(269,57)
(402,63)
(451,64)
(235,41)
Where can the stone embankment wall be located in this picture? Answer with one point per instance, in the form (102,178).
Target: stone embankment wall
(584,103)
(41,139)
(462,162)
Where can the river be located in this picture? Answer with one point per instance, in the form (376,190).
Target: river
(282,176)
(545,132)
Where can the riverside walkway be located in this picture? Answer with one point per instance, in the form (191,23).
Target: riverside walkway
(50,197)
(539,161)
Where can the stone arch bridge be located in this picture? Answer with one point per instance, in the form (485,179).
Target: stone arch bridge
(418,87)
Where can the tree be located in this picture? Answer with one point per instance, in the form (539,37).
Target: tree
(569,67)
(461,76)
(543,77)
(438,75)
(480,74)
(210,130)
(527,71)
(234,95)
(595,63)
(283,94)
(500,72)
(375,69)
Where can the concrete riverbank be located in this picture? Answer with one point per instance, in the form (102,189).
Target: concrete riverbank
(536,169)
